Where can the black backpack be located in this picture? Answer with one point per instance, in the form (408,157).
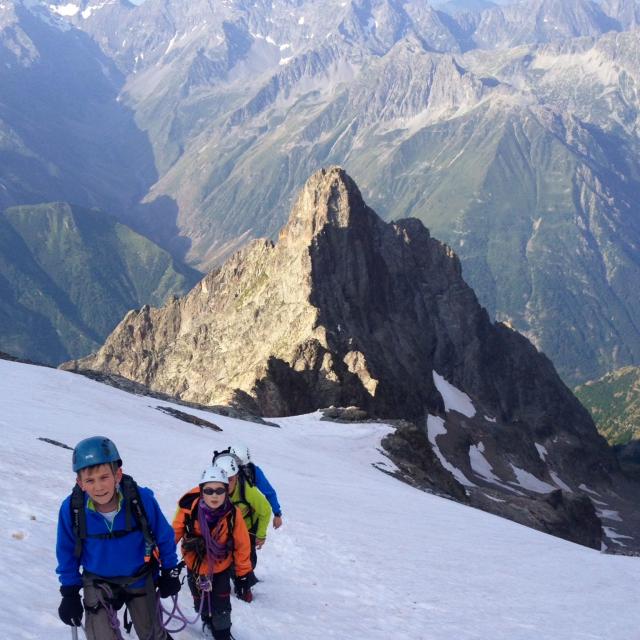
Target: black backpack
(135,518)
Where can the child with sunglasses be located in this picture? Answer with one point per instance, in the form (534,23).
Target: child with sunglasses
(215,542)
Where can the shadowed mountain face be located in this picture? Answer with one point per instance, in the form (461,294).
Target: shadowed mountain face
(347,309)
(63,134)
(67,275)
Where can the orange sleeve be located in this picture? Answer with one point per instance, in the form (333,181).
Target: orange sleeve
(178,524)
(241,545)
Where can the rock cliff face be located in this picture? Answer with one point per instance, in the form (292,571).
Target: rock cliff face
(343,309)
(346,309)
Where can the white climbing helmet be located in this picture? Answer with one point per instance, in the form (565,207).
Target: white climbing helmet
(227,462)
(214,474)
(241,451)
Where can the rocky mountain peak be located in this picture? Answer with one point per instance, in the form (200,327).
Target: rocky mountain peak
(330,198)
(346,309)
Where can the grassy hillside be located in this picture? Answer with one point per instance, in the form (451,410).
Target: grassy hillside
(614,403)
(68,275)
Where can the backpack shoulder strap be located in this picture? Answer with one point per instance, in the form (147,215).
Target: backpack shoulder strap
(187,503)
(78,519)
(134,513)
(231,527)
(134,506)
(187,500)
(242,481)
(249,471)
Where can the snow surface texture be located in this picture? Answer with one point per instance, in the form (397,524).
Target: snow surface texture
(360,556)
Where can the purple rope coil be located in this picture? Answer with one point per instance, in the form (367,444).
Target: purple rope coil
(209,519)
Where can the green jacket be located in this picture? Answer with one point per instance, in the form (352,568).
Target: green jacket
(255,508)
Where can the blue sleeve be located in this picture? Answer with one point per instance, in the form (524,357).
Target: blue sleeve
(68,568)
(162,530)
(269,492)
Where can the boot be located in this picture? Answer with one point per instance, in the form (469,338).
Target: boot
(207,629)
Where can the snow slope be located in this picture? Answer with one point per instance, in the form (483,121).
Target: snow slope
(360,556)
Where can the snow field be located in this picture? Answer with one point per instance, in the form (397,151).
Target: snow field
(360,556)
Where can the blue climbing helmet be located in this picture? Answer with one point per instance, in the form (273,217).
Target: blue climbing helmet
(95,450)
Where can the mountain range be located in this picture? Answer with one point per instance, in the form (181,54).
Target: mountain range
(510,131)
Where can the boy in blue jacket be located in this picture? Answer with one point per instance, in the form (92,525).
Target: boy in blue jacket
(254,474)
(114,530)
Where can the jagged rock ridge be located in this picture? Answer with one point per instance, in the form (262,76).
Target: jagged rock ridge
(364,309)
(347,309)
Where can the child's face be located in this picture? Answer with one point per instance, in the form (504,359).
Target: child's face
(100,483)
(233,480)
(211,494)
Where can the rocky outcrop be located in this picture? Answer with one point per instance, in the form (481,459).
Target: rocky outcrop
(346,309)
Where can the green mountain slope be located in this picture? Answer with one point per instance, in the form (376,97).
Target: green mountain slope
(614,403)
(68,275)
(547,234)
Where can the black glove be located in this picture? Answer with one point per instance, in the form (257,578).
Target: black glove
(71,609)
(195,544)
(169,582)
(243,586)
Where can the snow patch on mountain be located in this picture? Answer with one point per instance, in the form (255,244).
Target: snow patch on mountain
(171,43)
(435,428)
(66,10)
(615,537)
(609,514)
(482,467)
(454,399)
(528,481)
(480,464)
(584,487)
(542,452)
(559,482)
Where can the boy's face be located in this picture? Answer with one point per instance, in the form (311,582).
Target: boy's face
(233,480)
(213,494)
(100,483)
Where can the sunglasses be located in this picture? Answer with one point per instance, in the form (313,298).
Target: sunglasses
(210,491)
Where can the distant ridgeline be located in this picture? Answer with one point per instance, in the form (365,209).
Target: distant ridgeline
(68,274)
(346,309)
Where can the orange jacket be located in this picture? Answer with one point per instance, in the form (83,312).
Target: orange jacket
(187,518)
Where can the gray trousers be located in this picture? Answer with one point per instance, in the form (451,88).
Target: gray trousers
(140,602)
